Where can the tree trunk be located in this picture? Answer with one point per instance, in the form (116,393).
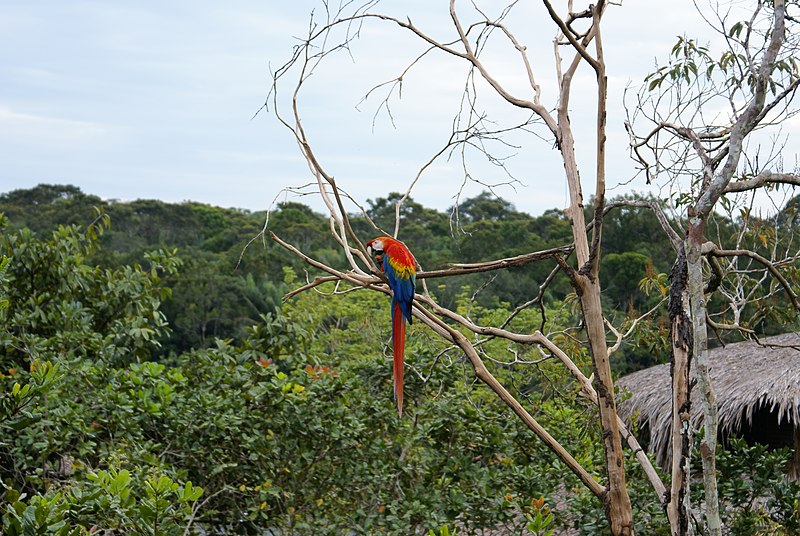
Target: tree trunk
(616,503)
(677,503)
(708,399)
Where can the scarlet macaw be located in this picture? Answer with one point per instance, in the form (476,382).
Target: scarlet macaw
(400,267)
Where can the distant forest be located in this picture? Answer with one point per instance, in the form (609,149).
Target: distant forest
(230,274)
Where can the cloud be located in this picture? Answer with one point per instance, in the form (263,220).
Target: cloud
(26,127)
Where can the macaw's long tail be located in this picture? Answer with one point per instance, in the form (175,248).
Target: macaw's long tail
(399,346)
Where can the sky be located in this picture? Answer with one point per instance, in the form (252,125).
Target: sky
(160,100)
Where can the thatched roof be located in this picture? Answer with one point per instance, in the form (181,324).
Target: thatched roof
(746,377)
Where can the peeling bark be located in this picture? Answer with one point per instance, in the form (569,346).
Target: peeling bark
(708,399)
(616,503)
(677,501)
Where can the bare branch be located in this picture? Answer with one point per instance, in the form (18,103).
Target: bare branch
(622,336)
(762,179)
(586,385)
(713,250)
(470,56)
(658,211)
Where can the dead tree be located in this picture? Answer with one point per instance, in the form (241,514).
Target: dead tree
(701,111)
(577,45)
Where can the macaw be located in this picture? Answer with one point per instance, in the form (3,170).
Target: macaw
(400,267)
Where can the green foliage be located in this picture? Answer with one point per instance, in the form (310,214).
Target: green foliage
(539,518)
(228,280)
(3,277)
(46,206)
(443,531)
(17,398)
(619,270)
(755,496)
(687,59)
(293,429)
(108,500)
(690,61)
(58,303)
(280,417)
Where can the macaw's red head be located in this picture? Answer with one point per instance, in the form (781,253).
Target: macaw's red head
(375,248)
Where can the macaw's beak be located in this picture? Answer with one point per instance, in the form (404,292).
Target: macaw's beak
(376,254)
(375,249)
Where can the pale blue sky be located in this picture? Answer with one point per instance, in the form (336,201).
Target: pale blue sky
(155,99)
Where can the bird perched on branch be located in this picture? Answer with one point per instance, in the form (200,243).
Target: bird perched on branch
(400,267)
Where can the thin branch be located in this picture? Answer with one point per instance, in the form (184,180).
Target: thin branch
(713,250)
(622,336)
(675,240)
(763,178)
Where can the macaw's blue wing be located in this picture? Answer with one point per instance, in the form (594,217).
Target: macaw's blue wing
(403,283)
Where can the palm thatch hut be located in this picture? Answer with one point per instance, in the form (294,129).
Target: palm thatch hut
(757,385)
